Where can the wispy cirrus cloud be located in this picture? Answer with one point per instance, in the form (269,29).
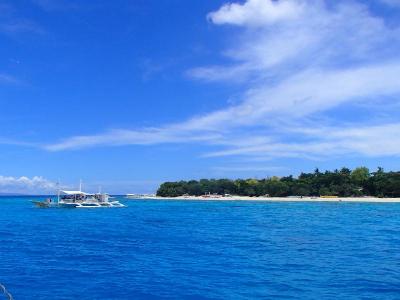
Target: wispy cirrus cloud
(147,136)
(321,143)
(247,169)
(299,62)
(12,23)
(18,26)
(8,141)
(8,79)
(391,2)
(56,5)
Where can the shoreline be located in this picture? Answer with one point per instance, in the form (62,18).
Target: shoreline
(275,199)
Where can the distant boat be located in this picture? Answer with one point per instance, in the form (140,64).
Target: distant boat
(45,204)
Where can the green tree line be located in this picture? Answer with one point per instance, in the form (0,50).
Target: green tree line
(342,183)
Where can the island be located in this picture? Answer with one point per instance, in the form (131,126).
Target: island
(358,183)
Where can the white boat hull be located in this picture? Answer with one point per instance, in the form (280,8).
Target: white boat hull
(113,204)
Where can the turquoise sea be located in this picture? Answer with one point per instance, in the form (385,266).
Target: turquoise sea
(201,250)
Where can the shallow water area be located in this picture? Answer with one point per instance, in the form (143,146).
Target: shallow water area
(201,250)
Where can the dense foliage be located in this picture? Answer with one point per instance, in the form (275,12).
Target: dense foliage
(343,183)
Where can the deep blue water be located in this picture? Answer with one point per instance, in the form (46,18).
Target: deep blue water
(201,250)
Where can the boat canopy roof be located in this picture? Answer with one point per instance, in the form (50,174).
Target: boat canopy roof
(73,193)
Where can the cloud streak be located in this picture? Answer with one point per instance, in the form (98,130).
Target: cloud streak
(56,5)
(299,63)
(148,136)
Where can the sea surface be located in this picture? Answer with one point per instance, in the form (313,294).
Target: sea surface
(201,250)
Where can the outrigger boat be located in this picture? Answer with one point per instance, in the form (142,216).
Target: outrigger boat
(79,199)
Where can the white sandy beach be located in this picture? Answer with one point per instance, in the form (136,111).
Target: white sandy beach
(281,199)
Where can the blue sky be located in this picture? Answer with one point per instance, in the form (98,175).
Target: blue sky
(128,94)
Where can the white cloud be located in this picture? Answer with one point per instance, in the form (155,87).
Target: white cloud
(320,90)
(26,185)
(256,12)
(319,37)
(300,59)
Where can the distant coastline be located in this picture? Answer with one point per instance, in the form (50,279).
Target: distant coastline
(275,199)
